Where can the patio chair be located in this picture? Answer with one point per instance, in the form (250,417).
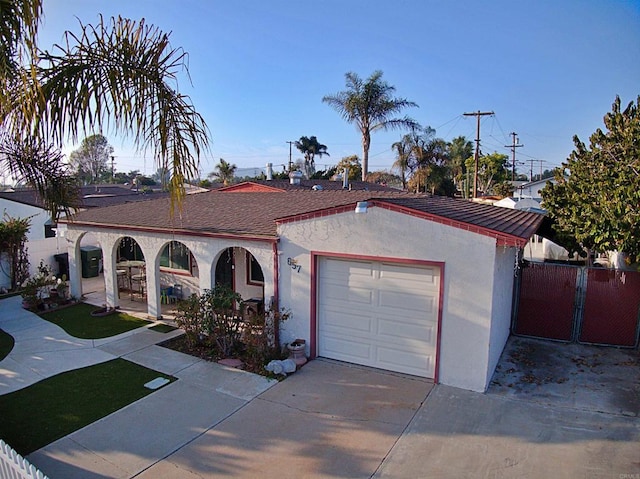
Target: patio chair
(176,293)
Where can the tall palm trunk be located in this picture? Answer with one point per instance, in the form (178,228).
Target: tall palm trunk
(366,143)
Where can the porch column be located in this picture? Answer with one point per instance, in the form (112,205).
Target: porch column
(75,273)
(153,291)
(110,276)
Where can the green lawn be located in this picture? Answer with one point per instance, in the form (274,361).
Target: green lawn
(163,328)
(52,408)
(6,344)
(77,321)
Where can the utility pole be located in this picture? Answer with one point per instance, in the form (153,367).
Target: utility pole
(513,147)
(290,162)
(113,175)
(477,114)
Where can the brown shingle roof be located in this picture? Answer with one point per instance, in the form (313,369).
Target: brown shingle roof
(307,185)
(255,214)
(252,214)
(90,196)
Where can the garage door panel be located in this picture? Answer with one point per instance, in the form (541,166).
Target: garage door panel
(344,292)
(346,323)
(406,301)
(347,350)
(411,362)
(345,269)
(379,314)
(390,328)
(401,273)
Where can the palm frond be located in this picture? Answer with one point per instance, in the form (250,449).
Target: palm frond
(121,76)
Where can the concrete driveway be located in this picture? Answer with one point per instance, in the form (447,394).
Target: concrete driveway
(553,410)
(329,419)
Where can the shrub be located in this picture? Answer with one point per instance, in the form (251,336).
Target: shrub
(36,288)
(214,320)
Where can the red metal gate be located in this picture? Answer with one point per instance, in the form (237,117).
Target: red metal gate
(546,301)
(569,303)
(611,307)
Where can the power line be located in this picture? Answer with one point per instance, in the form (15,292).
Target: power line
(515,144)
(478,115)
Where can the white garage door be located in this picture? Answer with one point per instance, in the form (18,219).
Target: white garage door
(379,314)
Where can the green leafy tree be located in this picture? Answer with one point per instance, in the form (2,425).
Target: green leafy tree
(371,106)
(492,169)
(597,204)
(385,178)
(90,161)
(13,239)
(353,163)
(117,74)
(460,150)
(310,147)
(224,172)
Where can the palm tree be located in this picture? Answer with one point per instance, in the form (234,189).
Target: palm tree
(310,147)
(119,74)
(403,149)
(224,172)
(370,106)
(460,149)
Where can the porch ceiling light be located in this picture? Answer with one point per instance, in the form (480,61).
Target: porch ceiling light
(361,207)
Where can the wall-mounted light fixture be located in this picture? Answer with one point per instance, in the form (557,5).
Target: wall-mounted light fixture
(361,207)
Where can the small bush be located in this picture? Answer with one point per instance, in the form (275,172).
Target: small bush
(214,321)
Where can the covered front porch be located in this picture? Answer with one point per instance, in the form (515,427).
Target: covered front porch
(94,293)
(165,262)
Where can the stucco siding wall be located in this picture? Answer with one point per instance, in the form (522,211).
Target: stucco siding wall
(205,251)
(468,278)
(38,247)
(18,210)
(503,279)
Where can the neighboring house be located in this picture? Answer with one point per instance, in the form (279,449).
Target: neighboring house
(44,241)
(538,248)
(532,189)
(409,283)
(299,184)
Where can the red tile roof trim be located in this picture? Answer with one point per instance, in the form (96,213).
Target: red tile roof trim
(317,214)
(250,187)
(502,239)
(146,229)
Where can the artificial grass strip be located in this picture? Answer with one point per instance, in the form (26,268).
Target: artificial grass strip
(54,407)
(77,321)
(163,328)
(6,344)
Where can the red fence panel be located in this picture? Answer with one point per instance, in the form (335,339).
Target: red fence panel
(547,295)
(611,307)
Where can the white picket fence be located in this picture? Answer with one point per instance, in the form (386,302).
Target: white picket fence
(14,466)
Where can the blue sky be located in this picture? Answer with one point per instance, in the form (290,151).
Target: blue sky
(259,69)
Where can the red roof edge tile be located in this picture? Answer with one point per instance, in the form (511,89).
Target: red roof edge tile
(502,239)
(249,187)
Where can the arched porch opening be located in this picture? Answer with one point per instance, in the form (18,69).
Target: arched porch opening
(178,271)
(131,268)
(238,269)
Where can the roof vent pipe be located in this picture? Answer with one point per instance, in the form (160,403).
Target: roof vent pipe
(269,171)
(345,178)
(295,177)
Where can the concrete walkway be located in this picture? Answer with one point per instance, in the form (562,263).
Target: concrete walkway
(335,420)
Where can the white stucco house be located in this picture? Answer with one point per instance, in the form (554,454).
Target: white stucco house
(43,239)
(409,283)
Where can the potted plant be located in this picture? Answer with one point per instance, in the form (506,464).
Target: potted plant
(35,288)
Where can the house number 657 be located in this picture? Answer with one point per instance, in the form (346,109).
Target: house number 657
(294,265)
